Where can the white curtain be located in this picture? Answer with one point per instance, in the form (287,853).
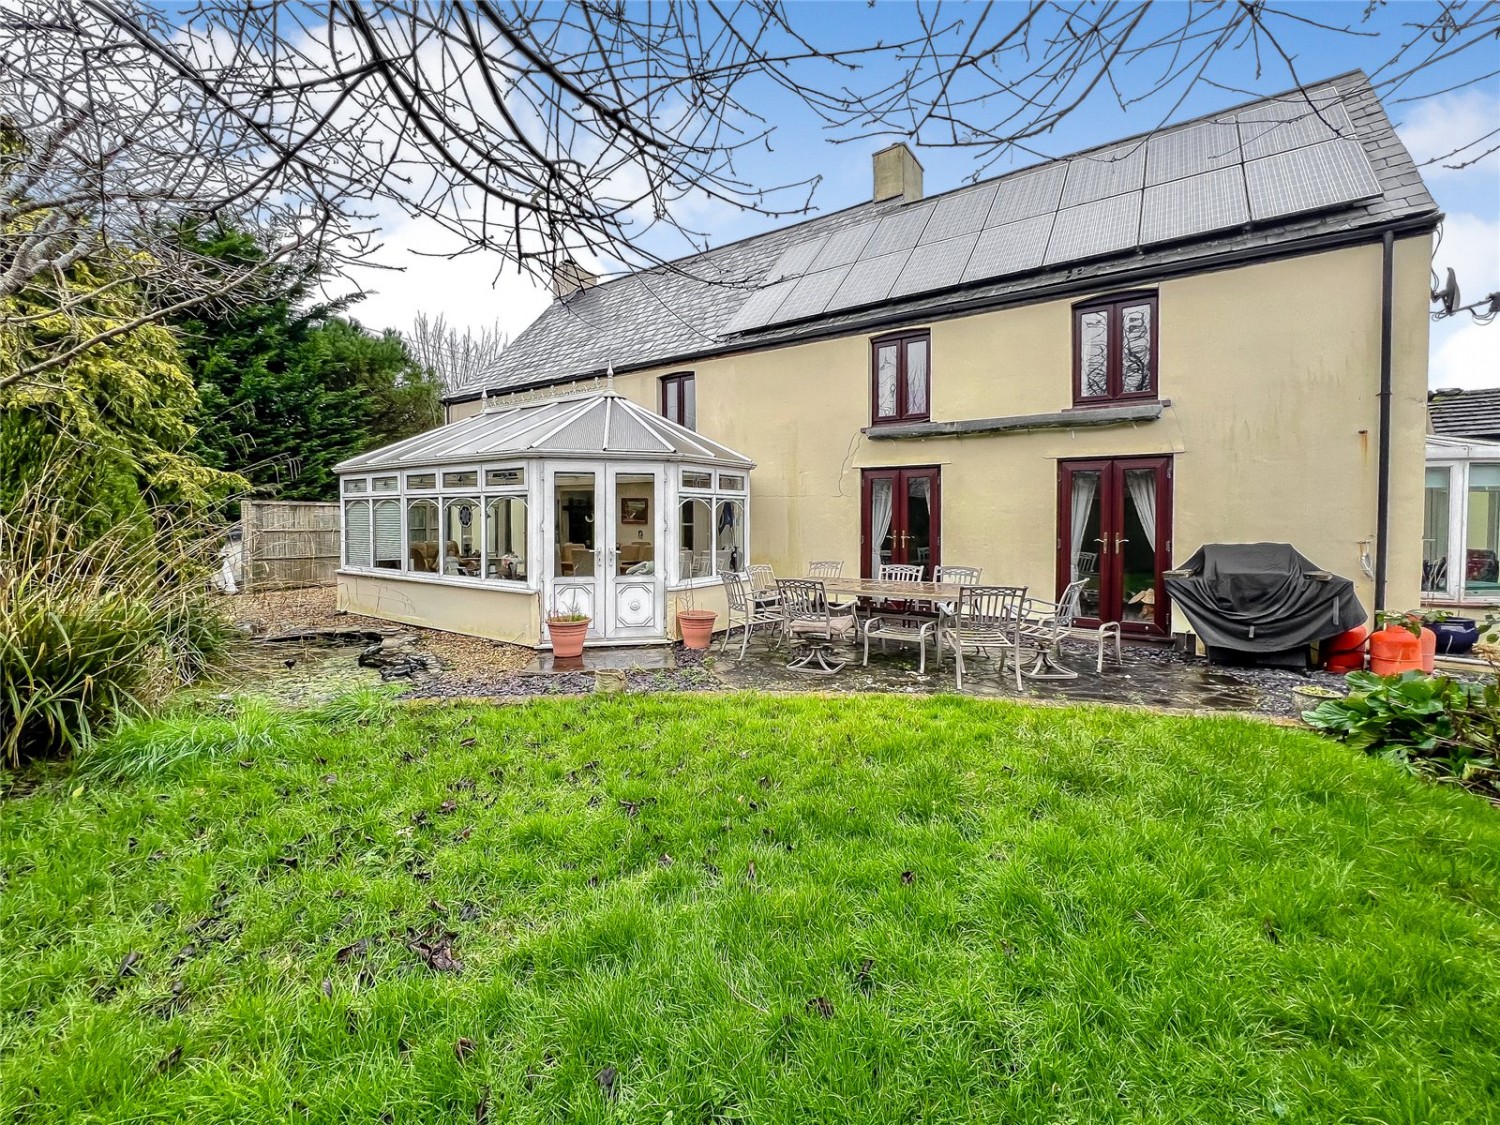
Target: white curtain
(1141,484)
(880,519)
(1085,485)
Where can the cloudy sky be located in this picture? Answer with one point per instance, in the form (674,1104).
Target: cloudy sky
(480,290)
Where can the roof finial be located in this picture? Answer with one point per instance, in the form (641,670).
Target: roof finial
(609,379)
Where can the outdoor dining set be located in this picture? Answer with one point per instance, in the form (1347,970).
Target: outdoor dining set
(817,615)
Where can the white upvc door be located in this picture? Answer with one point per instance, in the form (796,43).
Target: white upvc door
(634,563)
(575,513)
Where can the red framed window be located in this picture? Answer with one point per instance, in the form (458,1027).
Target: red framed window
(1114,349)
(901,377)
(679,399)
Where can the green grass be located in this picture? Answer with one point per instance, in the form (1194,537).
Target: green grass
(959,911)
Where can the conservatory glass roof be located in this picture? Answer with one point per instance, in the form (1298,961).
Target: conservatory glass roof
(597,425)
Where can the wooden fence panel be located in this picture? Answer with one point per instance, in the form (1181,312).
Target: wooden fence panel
(290,543)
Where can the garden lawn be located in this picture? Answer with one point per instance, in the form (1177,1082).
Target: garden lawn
(740,908)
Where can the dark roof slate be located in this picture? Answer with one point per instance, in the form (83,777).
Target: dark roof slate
(1465,413)
(683,310)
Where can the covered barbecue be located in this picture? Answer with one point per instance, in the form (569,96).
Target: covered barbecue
(1262,599)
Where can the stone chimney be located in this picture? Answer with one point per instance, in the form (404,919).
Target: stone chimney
(897,173)
(568,277)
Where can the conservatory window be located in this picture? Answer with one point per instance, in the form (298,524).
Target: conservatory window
(729,537)
(732,482)
(421,481)
(465,478)
(500,478)
(354,484)
(388,534)
(695,541)
(422,536)
(1482,548)
(505,537)
(357,533)
(385,484)
(1435,531)
(694,478)
(461,538)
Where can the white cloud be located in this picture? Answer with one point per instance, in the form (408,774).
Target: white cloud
(1440,125)
(475,290)
(1469,357)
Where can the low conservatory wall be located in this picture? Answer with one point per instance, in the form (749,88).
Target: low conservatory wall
(510,615)
(704,594)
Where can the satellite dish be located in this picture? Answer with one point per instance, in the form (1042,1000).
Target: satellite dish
(1448,294)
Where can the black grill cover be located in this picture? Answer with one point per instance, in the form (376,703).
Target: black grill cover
(1259,598)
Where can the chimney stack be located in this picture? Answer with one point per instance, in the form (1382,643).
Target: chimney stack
(568,277)
(897,173)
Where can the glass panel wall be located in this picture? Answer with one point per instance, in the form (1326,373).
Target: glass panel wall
(505,538)
(461,538)
(635,529)
(357,533)
(1482,545)
(422,536)
(1435,514)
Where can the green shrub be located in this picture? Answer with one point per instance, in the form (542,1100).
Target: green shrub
(93,628)
(1434,725)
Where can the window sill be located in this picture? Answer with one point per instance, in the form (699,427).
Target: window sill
(502,585)
(1114,414)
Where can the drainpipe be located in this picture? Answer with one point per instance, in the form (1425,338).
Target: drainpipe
(1383,486)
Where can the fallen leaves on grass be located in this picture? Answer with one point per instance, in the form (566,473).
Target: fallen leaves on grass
(434,945)
(463,1047)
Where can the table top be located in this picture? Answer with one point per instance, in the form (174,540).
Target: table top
(902,591)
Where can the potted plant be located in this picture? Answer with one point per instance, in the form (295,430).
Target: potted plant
(567,631)
(696,625)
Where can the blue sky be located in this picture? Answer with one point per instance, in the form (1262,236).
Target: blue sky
(475,292)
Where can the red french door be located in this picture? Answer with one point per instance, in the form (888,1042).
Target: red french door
(901,522)
(1114,530)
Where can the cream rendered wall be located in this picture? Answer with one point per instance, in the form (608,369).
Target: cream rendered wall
(499,615)
(1272,371)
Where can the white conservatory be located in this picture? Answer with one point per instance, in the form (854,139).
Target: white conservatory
(585,503)
(1461,523)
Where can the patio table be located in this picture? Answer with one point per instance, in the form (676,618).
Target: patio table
(893,591)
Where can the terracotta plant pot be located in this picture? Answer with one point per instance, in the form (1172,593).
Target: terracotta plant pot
(567,637)
(697,627)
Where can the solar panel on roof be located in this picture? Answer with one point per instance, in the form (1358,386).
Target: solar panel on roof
(1024,194)
(1101,227)
(811,294)
(935,265)
(760,307)
(1180,208)
(794,260)
(1111,171)
(961,213)
(842,247)
(1187,152)
(869,281)
(1265,131)
(899,231)
(1009,249)
(1307,179)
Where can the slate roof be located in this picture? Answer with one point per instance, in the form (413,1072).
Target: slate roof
(705,304)
(1467,414)
(593,425)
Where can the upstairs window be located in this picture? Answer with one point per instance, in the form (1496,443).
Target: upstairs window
(679,401)
(900,375)
(1114,349)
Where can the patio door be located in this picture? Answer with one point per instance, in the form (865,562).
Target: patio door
(1114,520)
(901,521)
(635,582)
(575,541)
(605,526)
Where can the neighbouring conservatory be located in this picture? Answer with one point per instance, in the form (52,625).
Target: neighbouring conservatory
(586,503)
(1461,522)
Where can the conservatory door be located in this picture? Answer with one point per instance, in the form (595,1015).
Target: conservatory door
(635,580)
(575,538)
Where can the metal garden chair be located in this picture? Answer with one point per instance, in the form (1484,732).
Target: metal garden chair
(828,568)
(811,624)
(762,584)
(745,613)
(889,622)
(987,619)
(1045,624)
(951,576)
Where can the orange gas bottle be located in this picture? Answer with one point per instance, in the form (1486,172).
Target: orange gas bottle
(1394,650)
(1346,652)
(1428,641)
